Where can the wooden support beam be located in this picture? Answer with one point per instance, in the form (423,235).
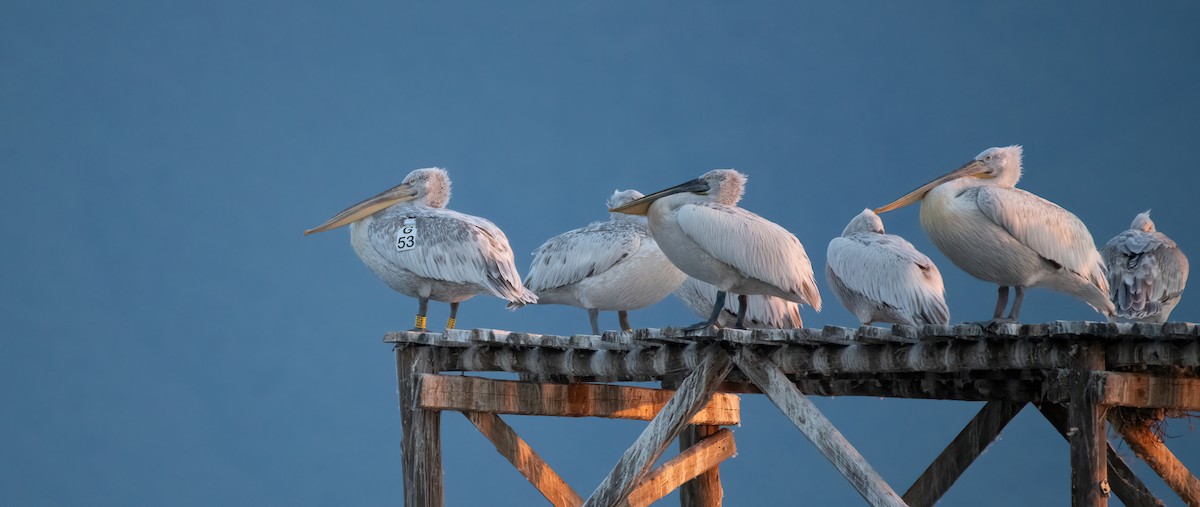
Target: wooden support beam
(693,393)
(1088,437)
(693,462)
(475,394)
(1126,484)
(420,442)
(983,429)
(1161,460)
(1150,391)
(819,430)
(704,490)
(526,461)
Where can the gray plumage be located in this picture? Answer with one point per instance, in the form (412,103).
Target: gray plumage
(1146,272)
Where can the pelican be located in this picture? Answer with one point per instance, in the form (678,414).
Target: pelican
(699,227)
(766,312)
(999,233)
(1146,271)
(613,265)
(423,250)
(882,278)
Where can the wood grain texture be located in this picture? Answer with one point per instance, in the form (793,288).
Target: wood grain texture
(1088,436)
(1125,484)
(1150,391)
(420,442)
(704,490)
(691,463)
(1160,459)
(983,429)
(474,394)
(525,460)
(819,430)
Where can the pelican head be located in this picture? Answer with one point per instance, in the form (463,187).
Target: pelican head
(994,166)
(428,187)
(867,221)
(724,186)
(621,197)
(1142,222)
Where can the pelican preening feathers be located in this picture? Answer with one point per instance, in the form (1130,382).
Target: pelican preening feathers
(696,241)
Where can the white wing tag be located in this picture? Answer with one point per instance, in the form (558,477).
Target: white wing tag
(406,236)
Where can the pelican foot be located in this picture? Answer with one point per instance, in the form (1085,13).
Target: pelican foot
(418,330)
(995,322)
(697,326)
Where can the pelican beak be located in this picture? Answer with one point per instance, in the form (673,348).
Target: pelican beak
(399,193)
(969,169)
(642,206)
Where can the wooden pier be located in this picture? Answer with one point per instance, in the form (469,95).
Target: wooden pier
(1082,376)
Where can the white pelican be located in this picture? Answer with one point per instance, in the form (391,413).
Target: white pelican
(699,227)
(613,265)
(766,312)
(423,250)
(1008,236)
(882,278)
(1146,271)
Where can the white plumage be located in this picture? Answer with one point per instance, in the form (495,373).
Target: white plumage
(1146,272)
(1008,236)
(881,277)
(607,266)
(449,256)
(765,312)
(701,230)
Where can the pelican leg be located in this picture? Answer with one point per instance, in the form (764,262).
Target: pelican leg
(1001,302)
(718,305)
(623,317)
(453,312)
(422,309)
(1016,308)
(743,303)
(594,317)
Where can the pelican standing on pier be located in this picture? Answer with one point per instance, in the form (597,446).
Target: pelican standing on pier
(1146,272)
(702,231)
(881,277)
(766,312)
(606,266)
(423,250)
(999,233)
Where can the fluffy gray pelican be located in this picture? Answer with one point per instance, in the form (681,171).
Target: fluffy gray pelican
(612,265)
(882,278)
(766,312)
(1146,271)
(700,228)
(999,233)
(423,250)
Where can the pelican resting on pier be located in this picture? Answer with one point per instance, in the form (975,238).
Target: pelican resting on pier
(1002,234)
(423,250)
(699,227)
(882,278)
(766,312)
(606,266)
(1146,272)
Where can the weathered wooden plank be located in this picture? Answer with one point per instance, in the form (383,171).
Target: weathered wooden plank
(690,463)
(1126,484)
(1161,460)
(819,430)
(420,442)
(1143,390)
(983,429)
(703,490)
(1089,461)
(932,387)
(693,393)
(525,460)
(474,394)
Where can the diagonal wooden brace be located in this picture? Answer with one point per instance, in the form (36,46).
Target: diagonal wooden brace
(525,460)
(983,429)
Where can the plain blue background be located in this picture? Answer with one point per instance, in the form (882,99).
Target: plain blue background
(170,338)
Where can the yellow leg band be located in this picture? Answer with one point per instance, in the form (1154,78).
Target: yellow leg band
(420,322)
(450,323)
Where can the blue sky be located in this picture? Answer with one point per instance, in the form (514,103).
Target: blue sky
(169,337)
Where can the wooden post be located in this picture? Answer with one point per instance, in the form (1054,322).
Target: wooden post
(962,451)
(693,394)
(819,430)
(420,442)
(705,489)
(1128,487)
(1088,437)
(525,460)
(1161,460)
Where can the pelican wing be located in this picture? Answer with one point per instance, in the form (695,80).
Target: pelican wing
(888,270)
(1054,233)
(584,252)
(453,247)
(1145,270)
(753,245)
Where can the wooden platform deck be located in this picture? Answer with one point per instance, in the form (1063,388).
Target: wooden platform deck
(1079,374)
